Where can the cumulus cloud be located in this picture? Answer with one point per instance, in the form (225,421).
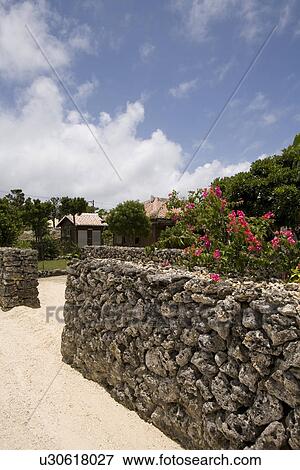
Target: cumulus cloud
(20,57)
(183,89)
(54,154)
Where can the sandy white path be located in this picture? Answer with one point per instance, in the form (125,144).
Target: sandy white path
(75,413)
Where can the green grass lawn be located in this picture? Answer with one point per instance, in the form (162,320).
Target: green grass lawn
(50,264)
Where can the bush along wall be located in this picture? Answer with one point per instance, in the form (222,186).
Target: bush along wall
(214,365)
(18,278)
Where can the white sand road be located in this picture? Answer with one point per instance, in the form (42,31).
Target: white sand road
(74,413)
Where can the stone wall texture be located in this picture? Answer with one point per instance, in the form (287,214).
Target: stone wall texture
(18,278)
(213,365)
(131,254)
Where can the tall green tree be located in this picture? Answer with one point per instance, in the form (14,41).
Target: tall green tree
(16,198)
(10,225)
(271,184)
(129,219)
(73,206)
(55,208)
(36,215)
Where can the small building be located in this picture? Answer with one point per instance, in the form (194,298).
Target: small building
(156,209)
(87,229)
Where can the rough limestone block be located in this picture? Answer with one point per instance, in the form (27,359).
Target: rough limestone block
(18,278)
(213,365)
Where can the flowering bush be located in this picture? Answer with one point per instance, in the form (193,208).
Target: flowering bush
(225,240)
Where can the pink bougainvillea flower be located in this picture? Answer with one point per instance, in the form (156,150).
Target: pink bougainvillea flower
(218,192)
(275,242)
(286,233)
(206,240)
(190,205)
(215,277)
(205,193)
(198,252)
(241,214)
(268,215)
(217,254)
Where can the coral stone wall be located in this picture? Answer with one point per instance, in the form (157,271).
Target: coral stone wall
(18,278)
(131,253)
(213,365)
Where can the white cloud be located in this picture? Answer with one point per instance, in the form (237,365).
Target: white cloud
(183,89)
(199,15)
(85,90)
(146,51)
(223,70)
(270,118)
(20,56)
(258,103)
(252,17)
(53,153)
(80,38)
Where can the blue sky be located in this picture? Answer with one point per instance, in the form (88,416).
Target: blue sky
(150,78)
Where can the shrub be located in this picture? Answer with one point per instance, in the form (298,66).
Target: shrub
(47,247)
(226,240)
(69,249)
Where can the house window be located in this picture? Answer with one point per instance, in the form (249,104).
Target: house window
(90,237)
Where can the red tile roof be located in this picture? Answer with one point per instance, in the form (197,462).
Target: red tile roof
(156,208)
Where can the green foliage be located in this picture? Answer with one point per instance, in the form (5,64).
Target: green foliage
(47,247)
(177,236)
(36,215)
(55,209)
(271,184)
(73,206)
(296,140)
(103,213)
(107,237)
(69,249)
(16,198)
(295,276)
(10,226)
(23,244)
(129,219)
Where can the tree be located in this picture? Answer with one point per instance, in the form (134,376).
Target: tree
(9,224)
(103,213)
(129,219)
(271,184)
(36,215)
(16,197)
(73,206)
(55,205)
